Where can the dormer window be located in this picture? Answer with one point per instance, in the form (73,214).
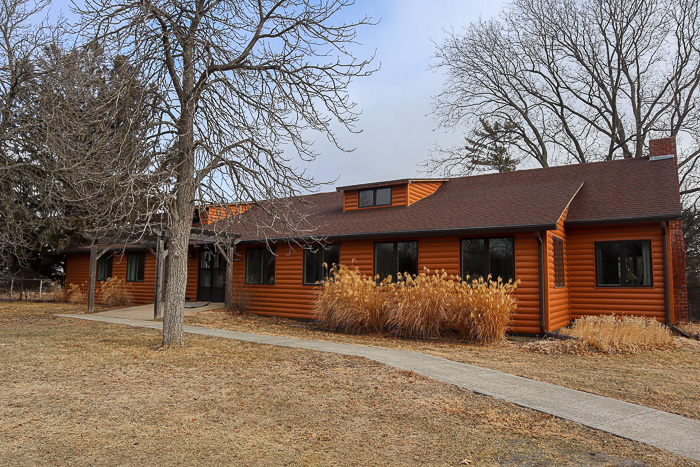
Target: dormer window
(374,197)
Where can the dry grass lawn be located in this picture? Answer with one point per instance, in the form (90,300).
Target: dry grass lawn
(664,379)
(84,393)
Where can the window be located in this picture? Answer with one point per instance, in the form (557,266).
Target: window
(374,197)
(484,256)
(259,266)
(104,267)
(391,258)
(623,264)
(135,266)
(317,263)
(558,262)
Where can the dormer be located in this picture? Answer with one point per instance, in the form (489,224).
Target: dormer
(390,194)
(207,214)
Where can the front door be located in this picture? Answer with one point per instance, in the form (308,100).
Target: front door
(212,277)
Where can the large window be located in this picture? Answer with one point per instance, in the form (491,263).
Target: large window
(391,258)
(623,264)
(104,267)
(374,197)
(484,256)
(558,262)
(319,261)
(260,266)
(135,267)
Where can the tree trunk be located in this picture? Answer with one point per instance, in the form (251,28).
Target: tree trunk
(180,221)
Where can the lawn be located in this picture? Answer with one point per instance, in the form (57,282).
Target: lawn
(78,392)
(667,380)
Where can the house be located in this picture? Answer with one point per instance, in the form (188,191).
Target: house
(584,239)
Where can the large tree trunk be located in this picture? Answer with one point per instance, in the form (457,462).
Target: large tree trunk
(180,221)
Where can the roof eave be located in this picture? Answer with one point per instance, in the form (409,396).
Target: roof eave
(489,230)
(623,220)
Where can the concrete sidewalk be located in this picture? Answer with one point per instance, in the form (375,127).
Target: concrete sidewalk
(145,312)
(635,422)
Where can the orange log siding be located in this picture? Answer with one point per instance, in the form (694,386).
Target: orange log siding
(588,299)
(78,270)
(419,190)
(557,299)
(399,197)
(289,298)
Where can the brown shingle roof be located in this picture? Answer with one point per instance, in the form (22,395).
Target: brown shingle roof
(527,199)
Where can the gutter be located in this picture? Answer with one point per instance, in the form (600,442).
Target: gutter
(540,258)
(411,233)
(667,294)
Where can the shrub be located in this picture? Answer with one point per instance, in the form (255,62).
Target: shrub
(417,306)
(621,334)
(350,302)
(74,294)
(480,310)
(114,293)
(59,293)
(241,298)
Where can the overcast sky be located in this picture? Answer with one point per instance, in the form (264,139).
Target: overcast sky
(397,128)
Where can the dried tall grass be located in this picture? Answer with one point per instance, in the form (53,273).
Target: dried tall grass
(480,310)
(621,334)
(59,292)
(418,306)
(421,306)
(74,294)
(115,293)
(350,302)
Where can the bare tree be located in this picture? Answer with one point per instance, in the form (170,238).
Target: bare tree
(243,84)
(580,80)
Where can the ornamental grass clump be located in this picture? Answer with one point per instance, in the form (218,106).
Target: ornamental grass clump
(350,302)
(417,306)
(621,334)
(480,309)
(114,293)
(74,294)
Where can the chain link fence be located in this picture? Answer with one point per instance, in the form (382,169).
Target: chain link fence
(15,288)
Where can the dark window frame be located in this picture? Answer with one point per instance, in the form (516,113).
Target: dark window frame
(107,269)
(140,274)
(265,251)
(321,258)
(374,197)
(559,268)
(395,258)
(623,264)
(486,258)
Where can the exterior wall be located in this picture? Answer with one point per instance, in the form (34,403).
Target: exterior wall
(588,299)
(78,270)
(399,197)
(557,301)
(289,298)
(419,190)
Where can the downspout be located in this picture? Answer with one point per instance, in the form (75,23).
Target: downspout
(540,259)
(667,296)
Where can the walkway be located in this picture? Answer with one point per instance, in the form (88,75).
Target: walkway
(145,312)
(635,422)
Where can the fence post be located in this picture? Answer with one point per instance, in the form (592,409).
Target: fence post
(41,286)
(12,284)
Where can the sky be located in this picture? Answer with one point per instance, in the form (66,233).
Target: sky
(398,130)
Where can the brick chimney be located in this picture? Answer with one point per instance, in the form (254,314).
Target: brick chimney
(662,148)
